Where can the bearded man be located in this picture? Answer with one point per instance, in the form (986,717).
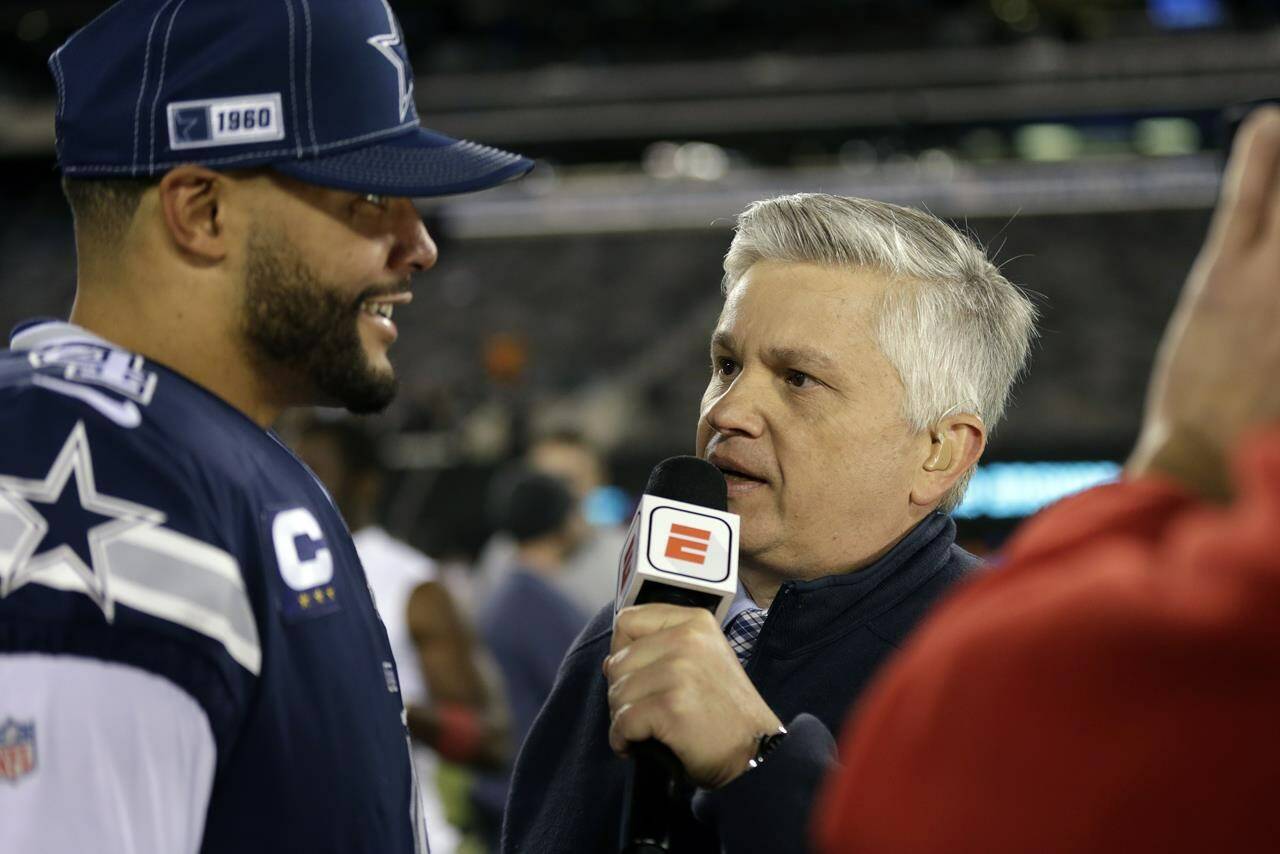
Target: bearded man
(190,655)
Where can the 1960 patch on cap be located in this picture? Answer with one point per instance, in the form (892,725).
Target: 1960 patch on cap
(225,121)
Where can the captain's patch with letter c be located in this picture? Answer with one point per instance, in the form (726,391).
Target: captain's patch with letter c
(306,564)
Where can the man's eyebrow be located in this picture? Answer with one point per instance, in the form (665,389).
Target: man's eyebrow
(801,355)
(793,355)
(723,340)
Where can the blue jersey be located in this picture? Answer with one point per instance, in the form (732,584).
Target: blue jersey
(148,525)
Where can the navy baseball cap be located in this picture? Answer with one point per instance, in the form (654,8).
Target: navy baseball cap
(321,90)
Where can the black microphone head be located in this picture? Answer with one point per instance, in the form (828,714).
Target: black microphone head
(690,480)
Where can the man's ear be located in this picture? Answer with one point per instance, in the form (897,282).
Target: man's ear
(955,444)
(191,202)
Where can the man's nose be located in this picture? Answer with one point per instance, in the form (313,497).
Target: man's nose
(737,410)
(414,250)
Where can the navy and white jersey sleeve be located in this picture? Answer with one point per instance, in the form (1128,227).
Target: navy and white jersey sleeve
(129,646)
(105,757)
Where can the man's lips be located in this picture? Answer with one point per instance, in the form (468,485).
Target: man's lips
(393,298)
(377,308)
(734,468)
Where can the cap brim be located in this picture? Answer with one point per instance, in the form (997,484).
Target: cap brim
(418,163)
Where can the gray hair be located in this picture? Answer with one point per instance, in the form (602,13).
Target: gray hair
(955,329)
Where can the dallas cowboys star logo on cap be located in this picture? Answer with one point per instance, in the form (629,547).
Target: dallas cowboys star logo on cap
(53,534)
(386,44)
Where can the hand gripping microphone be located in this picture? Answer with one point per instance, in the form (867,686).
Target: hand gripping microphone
(681,549)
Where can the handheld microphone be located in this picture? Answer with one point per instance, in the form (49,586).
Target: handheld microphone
(681,549)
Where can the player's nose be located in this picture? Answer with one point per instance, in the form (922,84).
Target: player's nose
(414,250)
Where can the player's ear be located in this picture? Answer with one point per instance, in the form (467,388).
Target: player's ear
(190,199)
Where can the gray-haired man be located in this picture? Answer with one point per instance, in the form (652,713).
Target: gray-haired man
(863,354)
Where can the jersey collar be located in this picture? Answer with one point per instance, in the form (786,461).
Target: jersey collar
(44,332)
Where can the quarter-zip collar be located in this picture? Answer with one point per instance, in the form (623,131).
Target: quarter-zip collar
(808,614)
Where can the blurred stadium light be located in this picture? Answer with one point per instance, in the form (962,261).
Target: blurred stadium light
(1013,490)
(631,202)
(1186,14)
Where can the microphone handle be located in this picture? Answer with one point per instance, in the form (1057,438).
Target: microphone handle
(649,799)
(654,780)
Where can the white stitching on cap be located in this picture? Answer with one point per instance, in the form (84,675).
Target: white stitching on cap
(55,62)
(293,86)
(278,152)
(142,88)
(311,107)
(164,61)
(59,80)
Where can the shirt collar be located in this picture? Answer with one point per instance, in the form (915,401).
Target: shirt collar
(741,602)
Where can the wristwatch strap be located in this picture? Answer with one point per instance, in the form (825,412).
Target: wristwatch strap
(766,744)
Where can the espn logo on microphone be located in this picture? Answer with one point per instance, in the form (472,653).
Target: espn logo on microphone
(691,544)
(687,543)
(675,544)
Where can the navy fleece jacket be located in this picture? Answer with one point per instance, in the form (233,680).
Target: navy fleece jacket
(822,642)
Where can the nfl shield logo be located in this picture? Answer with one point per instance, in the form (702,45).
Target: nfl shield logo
(17,749)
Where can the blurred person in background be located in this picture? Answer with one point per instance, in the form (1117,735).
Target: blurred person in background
(453,710)
(1113,686)
(862,356)
(528,623)
(591,575)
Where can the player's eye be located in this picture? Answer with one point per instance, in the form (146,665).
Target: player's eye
(378,201)
(723,366)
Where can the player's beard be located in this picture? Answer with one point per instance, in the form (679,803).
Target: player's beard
(293,320)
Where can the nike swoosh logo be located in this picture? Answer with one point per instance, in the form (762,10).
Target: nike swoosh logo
(123,412)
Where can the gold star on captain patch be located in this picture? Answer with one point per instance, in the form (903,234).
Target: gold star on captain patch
(329,591)
(304,600)
(318,593)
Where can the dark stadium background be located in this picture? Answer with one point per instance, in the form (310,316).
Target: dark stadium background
(1081,141)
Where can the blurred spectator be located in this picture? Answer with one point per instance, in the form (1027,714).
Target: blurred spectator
(1113,687)
(591,572)
(453,711)
(569,456)
(528,623)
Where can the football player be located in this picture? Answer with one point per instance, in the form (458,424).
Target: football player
(190,655)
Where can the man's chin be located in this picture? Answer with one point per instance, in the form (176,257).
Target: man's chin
(370,394)
(756,530)
(370,400)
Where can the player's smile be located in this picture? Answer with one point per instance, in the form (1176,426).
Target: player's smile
(376,311)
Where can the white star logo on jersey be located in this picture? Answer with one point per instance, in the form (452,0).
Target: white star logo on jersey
(23,528)
(385,44)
